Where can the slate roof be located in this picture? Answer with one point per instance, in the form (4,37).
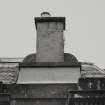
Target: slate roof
(91,70)
(9,72)
(11,59)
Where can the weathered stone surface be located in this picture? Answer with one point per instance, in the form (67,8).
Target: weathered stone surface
(40,90)
(34,94)
(67,58)
(39,102)
(50,43)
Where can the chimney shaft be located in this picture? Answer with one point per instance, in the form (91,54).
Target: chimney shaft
(50,42)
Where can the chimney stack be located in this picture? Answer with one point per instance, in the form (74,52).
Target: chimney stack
(50,42)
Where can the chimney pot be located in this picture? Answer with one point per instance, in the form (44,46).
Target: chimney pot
(45,14)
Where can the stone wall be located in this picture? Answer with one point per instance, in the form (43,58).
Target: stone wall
(45,94)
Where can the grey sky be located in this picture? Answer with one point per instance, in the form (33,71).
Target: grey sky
(85,27)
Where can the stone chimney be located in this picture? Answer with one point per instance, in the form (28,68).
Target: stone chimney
(50,42)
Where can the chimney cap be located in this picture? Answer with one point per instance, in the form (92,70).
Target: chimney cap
(49,19)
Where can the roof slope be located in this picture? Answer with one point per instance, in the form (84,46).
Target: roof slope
(8,72)
(91,70)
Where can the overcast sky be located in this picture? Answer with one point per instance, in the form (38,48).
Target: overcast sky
(85,27)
